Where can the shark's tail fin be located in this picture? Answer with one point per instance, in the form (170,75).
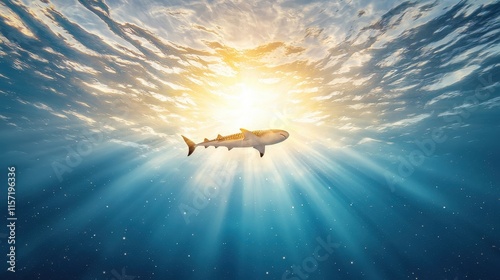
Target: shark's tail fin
(191,145)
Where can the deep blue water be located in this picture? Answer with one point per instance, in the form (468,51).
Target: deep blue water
(390,170)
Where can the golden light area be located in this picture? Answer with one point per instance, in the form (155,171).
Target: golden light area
(248,100)
(249,106)
(228,89)
(257,101)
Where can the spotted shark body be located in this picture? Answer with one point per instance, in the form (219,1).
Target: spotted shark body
(257,139)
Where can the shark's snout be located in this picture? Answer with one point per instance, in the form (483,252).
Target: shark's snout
(284,134)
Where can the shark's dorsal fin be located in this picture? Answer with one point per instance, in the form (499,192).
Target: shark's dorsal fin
(248,135)
(206,140)
(261,149)
(219,137)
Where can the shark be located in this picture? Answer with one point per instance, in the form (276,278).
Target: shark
(257,139)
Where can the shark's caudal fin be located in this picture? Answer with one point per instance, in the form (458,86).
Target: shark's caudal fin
(191,145)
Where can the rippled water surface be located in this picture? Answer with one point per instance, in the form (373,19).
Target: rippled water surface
(390,170)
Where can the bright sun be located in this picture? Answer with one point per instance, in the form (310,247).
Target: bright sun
(248,106)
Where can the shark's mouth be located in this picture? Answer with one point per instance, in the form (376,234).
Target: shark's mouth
(283,135)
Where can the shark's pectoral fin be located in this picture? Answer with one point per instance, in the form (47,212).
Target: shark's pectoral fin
(261,149)
(248,135)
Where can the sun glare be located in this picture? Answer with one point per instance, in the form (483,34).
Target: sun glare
(245,105)
(249,104)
